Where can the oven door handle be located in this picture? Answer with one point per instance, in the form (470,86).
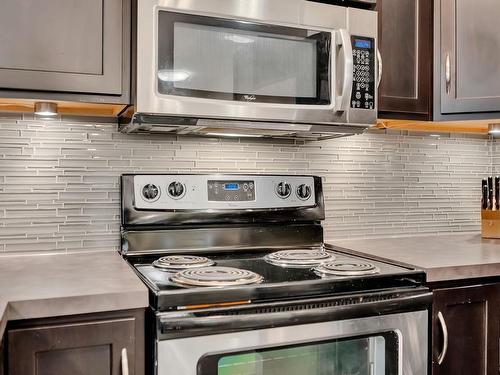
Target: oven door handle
(175,325)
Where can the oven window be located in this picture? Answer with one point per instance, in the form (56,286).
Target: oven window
(365,355)
(216,58)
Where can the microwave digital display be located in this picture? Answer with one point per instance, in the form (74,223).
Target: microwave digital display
(362,43)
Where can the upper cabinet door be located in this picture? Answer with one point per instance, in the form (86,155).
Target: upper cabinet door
(62,45)
(405,42)
(469,56)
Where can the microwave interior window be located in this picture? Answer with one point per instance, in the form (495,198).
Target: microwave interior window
(230,60)
(370,355)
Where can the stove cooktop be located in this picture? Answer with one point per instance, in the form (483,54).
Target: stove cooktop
(263,279)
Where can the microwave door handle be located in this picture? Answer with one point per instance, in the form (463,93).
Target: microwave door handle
(380,67)
(345,42)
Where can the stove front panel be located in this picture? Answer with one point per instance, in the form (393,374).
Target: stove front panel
(376,345)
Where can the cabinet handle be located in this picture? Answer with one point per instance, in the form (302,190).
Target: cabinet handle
(379,58)
(447,72)
(444,328)
(124,362)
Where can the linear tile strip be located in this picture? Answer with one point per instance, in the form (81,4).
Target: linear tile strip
(59,179)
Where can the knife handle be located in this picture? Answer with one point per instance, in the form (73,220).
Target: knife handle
(490,192)
(484,192)
(497,193)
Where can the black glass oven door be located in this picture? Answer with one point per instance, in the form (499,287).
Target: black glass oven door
(222,59)
(376,354)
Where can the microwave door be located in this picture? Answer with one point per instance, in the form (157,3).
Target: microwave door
(215,67)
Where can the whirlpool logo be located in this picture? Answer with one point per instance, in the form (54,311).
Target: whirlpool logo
(249,98)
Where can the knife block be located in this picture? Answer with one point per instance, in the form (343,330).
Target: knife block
(490,224)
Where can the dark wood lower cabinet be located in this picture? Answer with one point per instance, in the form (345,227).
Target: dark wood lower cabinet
(86,345)
(465,326)
(2,357)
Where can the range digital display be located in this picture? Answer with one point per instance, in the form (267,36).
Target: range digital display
(231,186)
(231,190)
(362,43)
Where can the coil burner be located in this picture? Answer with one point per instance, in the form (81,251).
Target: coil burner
(182,262)
(346,269)
(216,276)
(300,258)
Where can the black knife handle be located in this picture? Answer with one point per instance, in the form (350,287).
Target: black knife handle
(490,192)
(484,192)
(497,192)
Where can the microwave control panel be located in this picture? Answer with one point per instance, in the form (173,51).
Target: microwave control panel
(363,85)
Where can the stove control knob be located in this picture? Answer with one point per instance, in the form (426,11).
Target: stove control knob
(176,190)
(150,192)
(283,190)
(304,192)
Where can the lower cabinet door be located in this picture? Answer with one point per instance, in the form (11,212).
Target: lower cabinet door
(89,348)
(465,331)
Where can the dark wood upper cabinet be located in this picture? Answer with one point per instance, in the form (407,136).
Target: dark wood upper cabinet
(465,331)
(405,43)
(65,49)
(92,345)
(440,59)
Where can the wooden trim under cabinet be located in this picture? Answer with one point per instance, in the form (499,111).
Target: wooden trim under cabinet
(479,127)
(64,108)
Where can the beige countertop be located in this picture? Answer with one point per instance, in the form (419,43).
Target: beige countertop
(41,286)
(444,258)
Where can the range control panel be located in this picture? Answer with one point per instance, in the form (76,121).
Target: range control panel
(363,86)
(201,192)
(226,190)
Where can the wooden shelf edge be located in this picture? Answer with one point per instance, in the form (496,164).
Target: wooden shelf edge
(64,108)
(474,127)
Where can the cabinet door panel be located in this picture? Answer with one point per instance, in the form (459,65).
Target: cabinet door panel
(460,318)
(94,360)
(472,337)
(470,62)
(49,49)
(92,348)
(61,45)
(400,37)
(405,29)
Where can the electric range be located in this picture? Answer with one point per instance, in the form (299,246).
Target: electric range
(240,277)
(266,280)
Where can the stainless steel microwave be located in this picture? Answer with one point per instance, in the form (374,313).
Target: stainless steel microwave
(277,68)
